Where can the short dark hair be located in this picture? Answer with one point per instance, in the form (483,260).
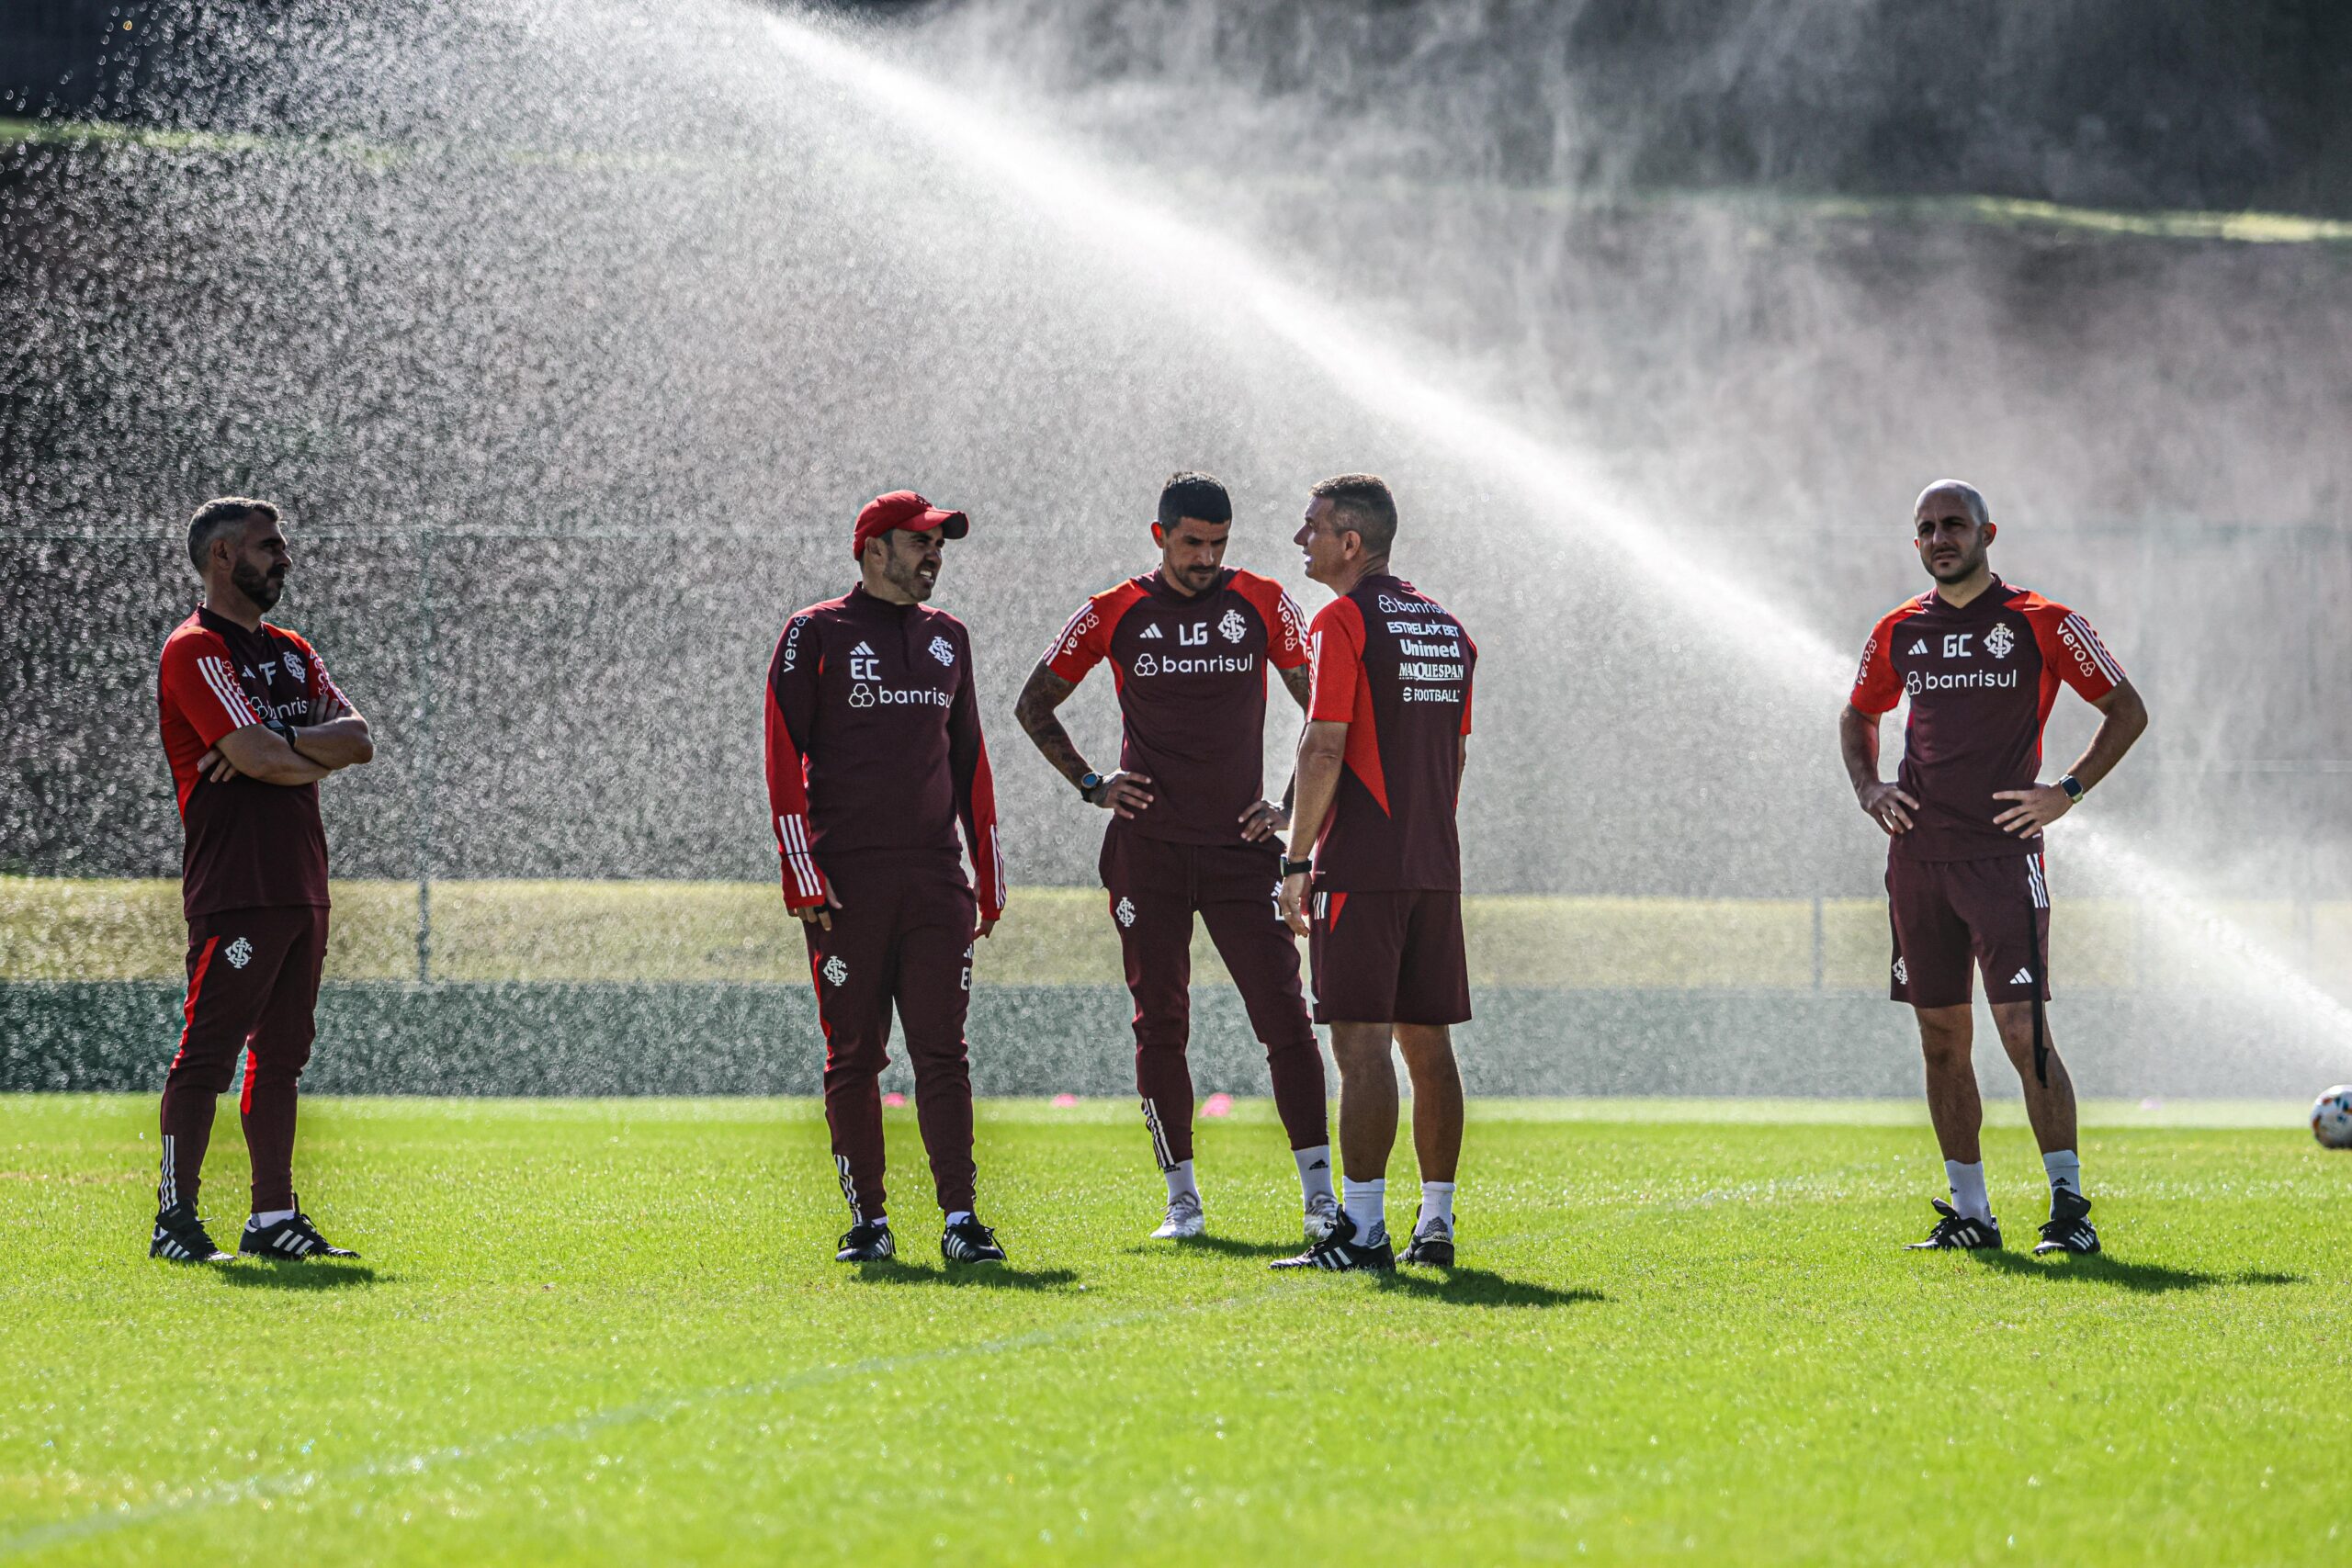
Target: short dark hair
(1192,495)
(1360,503)
(216,517)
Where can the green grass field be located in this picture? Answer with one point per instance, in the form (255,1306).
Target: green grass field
(613,1330)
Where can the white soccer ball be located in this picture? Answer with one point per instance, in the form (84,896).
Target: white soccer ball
(2332,1118)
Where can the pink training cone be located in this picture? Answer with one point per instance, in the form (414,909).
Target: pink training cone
(1064,1101)
(1217,1105)
(894,1099)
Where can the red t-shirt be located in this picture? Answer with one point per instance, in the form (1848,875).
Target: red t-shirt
(874,744)
(1396,667)
(247,844)
(1192,681)
(1982,679)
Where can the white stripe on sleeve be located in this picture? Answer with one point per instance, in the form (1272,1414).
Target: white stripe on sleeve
(2097,649)
(224,686)
(793,833)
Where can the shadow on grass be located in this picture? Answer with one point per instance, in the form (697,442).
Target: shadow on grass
(1225,1245)
(313,1274)
(982,1277)
(1479,1287)
(2104,1269)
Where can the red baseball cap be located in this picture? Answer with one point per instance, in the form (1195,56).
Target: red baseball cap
(904,509)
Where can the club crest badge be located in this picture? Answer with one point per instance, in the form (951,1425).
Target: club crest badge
(1902,972)
(1232,626)
(1999,640)
(294,669)
(239,954)
(1125,911)
(943,650)
(835,971)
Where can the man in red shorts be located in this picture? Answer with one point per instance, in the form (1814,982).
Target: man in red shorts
(1189,646)
(251,723)
(1379,777)
(1966,884)
(873,756)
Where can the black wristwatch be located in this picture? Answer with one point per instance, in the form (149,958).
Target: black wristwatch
(280,728)
(1298,867)
(1087,785)
(2076,789)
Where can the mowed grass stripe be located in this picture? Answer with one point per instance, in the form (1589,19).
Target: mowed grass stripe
(301,1482)
(54,928)
(1674,1338)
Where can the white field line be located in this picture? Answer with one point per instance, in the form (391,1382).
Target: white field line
(303,1482)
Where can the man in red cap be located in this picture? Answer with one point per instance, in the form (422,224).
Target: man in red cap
(874,755)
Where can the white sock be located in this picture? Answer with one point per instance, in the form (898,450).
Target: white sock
(1366,1203)
(1437,1203)
(1314,1171)
(270,1218)
(1180,1181)
(1967,1183)
(959,1217)
(2065,1171)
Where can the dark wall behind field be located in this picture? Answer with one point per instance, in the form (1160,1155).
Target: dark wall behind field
(2139,102)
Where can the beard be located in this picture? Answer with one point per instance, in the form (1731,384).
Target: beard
(1957,570)
(262,586)
(906,577)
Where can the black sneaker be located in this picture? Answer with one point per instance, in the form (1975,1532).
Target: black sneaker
(867,1244)
(288,1240)
(969,1241)
(1957,1230)
(1432,1244)
(2069,1229)
(181,1237)
(1339,1252)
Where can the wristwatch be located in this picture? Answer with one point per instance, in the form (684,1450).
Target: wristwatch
(1298,867)
(280,728)
(2076,789)
(1087,785)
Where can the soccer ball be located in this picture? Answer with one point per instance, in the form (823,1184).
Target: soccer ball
(2332,1118)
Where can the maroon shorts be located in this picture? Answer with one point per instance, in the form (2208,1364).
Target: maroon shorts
(1389,957)
(1947,915)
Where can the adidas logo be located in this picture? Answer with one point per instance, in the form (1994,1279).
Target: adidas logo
(2022,978)
(1150,633)
(1320,1165)
(864,648)
(1919,647)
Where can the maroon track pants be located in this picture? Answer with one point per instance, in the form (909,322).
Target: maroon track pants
(903,934)
(1156,888)
(253,984)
